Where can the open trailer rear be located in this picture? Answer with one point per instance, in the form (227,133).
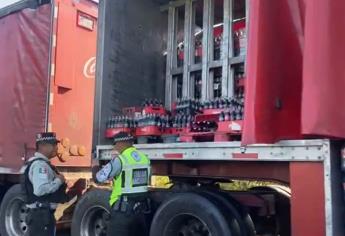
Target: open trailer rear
(287,127)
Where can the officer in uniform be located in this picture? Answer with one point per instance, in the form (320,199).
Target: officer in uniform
(130,172)
(44,187)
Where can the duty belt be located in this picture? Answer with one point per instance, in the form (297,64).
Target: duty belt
(40,205)
(133,206)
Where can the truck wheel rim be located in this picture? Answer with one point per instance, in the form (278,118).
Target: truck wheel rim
(185,225)
(16,217)
(94,222)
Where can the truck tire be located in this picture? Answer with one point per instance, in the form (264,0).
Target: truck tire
(239,220)
(91,214)
(189,214)
(13,212)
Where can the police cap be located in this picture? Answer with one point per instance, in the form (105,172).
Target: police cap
(122,137)
(47,137)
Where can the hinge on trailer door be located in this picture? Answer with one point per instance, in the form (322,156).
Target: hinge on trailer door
(56,11)
(243,149)
(52,70)
(54,41)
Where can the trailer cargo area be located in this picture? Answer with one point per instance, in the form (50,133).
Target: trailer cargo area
(188,49)
(252,91)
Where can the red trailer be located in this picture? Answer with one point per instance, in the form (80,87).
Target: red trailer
(47,59)
(292,133)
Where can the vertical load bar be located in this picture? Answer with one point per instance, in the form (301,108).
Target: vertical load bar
(227,50)
(206,49)
(186,90)
(170,57)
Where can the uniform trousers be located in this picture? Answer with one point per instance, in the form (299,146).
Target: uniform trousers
(125,221)
(41,222)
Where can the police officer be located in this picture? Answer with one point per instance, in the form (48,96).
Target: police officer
(130,172)
(44,186)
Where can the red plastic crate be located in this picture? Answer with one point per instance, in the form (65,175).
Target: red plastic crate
(208,117)
(111,132)
(230,127)
(154,110)
(212,111)
(148,131)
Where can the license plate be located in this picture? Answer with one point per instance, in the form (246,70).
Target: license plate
(140,177)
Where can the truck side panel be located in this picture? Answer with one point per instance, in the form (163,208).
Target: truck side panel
(73,80)
(24,58)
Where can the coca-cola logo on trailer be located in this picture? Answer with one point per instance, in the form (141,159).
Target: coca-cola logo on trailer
(89,70)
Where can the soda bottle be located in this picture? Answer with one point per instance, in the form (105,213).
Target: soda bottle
(112,122)
(148,120)
(108,124)
(193,126)
(227,103)
(167,121)
(152,119)
(179,121)
(183,123)
(130,123)
(115,120)
(189,119)
(136,123)
(208,124)
(221,116)
(123,120)
(144,120)
(233,115)
(159,122)
(205,105)
(140,121)
(220,103)
(118,121)
(211,104)
(238,114)
(217,103)
(173,122)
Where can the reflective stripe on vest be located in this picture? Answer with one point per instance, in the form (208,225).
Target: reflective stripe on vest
(133,163)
